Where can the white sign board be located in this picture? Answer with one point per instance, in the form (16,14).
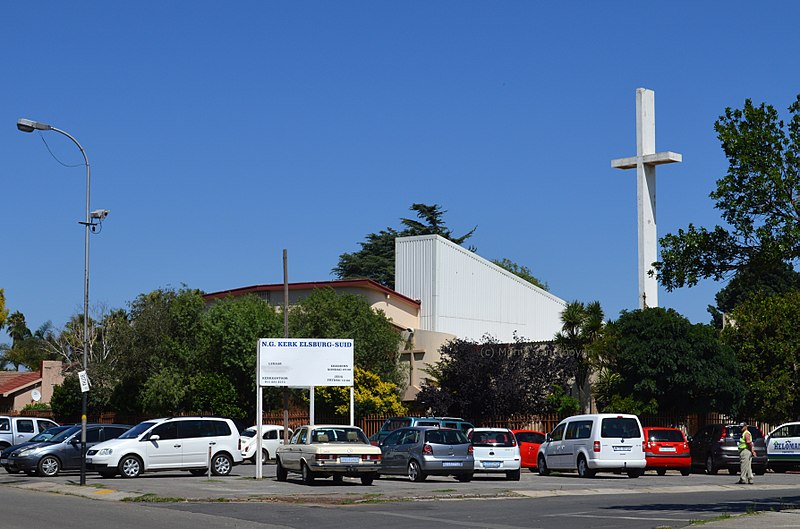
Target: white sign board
(305,362)
(84,380)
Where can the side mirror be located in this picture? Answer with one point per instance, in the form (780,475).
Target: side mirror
(154,438)
(689,438)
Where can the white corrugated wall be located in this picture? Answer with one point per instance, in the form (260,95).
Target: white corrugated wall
(469,296)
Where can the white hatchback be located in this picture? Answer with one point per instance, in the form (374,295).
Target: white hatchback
(176,443)
(271,438)
(495,451)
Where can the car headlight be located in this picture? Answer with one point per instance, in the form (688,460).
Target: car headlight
(105,451)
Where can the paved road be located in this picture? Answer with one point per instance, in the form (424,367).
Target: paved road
(555,502)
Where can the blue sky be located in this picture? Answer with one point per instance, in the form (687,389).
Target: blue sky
(220,133)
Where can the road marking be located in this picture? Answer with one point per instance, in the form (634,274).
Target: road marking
(587,515)
(448,521)
(105,491)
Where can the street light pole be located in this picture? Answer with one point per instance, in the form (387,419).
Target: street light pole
(26,125)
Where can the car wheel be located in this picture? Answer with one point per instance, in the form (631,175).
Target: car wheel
(464,478)
(513,475)
(221,465)
(338,478)
(280,473)
(583,468)
(130,467)
(661,471)
(198,472)
(49,466)
(108,473)
(415,473)
(308,476)
(542,464)
(367,479)
(686,471)
(760,471)
(711,466)
(635,473)
(777,470)
(732,471)
(264,456)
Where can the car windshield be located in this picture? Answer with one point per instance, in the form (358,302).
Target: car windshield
(338,435)
(665,436)
(395,424)
(48,434)
(620,427)
(60,436)
(492,438)
(137,430)
(736,432)
(530,437)
(446,437)
(248,433)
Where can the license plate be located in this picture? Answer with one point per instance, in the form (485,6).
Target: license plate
(350,459)
(491,464)
(451,464)
(88,459)
(667,448)
(622,448)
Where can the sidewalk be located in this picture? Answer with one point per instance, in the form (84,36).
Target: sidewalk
(773,520)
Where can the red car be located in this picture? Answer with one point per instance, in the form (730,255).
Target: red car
(529,442)
(666,449)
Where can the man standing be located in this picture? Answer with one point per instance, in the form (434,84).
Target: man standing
(746,453)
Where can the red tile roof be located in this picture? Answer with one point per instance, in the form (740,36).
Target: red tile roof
(341,283)
(13,380)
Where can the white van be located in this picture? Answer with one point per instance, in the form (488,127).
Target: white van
(175,443)
(609,442)
(783,447)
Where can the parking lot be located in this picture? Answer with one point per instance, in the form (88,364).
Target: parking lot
(242,486)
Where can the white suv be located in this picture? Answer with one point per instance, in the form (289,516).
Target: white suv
(179,443)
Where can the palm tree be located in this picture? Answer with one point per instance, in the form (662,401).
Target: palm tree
(582,325)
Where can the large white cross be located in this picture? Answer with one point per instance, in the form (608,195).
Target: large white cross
(645,163)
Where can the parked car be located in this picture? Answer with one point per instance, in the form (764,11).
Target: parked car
(61,451)
(16,430)
(495,450)
(783,447)
(422,451)
(271,438)
(716,446)
(529,442)
(38,438)
(666,449)
(321,451)
(594,443)
(175,443)
(393,423)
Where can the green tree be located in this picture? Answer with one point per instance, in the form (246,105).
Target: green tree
(228,337)
(581,326)
(521,271)
(326,314)
(3,309)
(759,199)
(372,396)
(656,360)
(766,337)
(375,260)
(484,379)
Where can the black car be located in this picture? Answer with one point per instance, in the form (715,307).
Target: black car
(716,446)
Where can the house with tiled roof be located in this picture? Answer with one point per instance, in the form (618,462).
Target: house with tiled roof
(17,387)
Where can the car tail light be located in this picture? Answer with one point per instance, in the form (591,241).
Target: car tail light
(597,446)
(470,450)
(724,434)
(325,457)
(648,445)
(371,457)
(427,449)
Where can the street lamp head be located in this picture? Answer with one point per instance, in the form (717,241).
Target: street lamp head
(26,125)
